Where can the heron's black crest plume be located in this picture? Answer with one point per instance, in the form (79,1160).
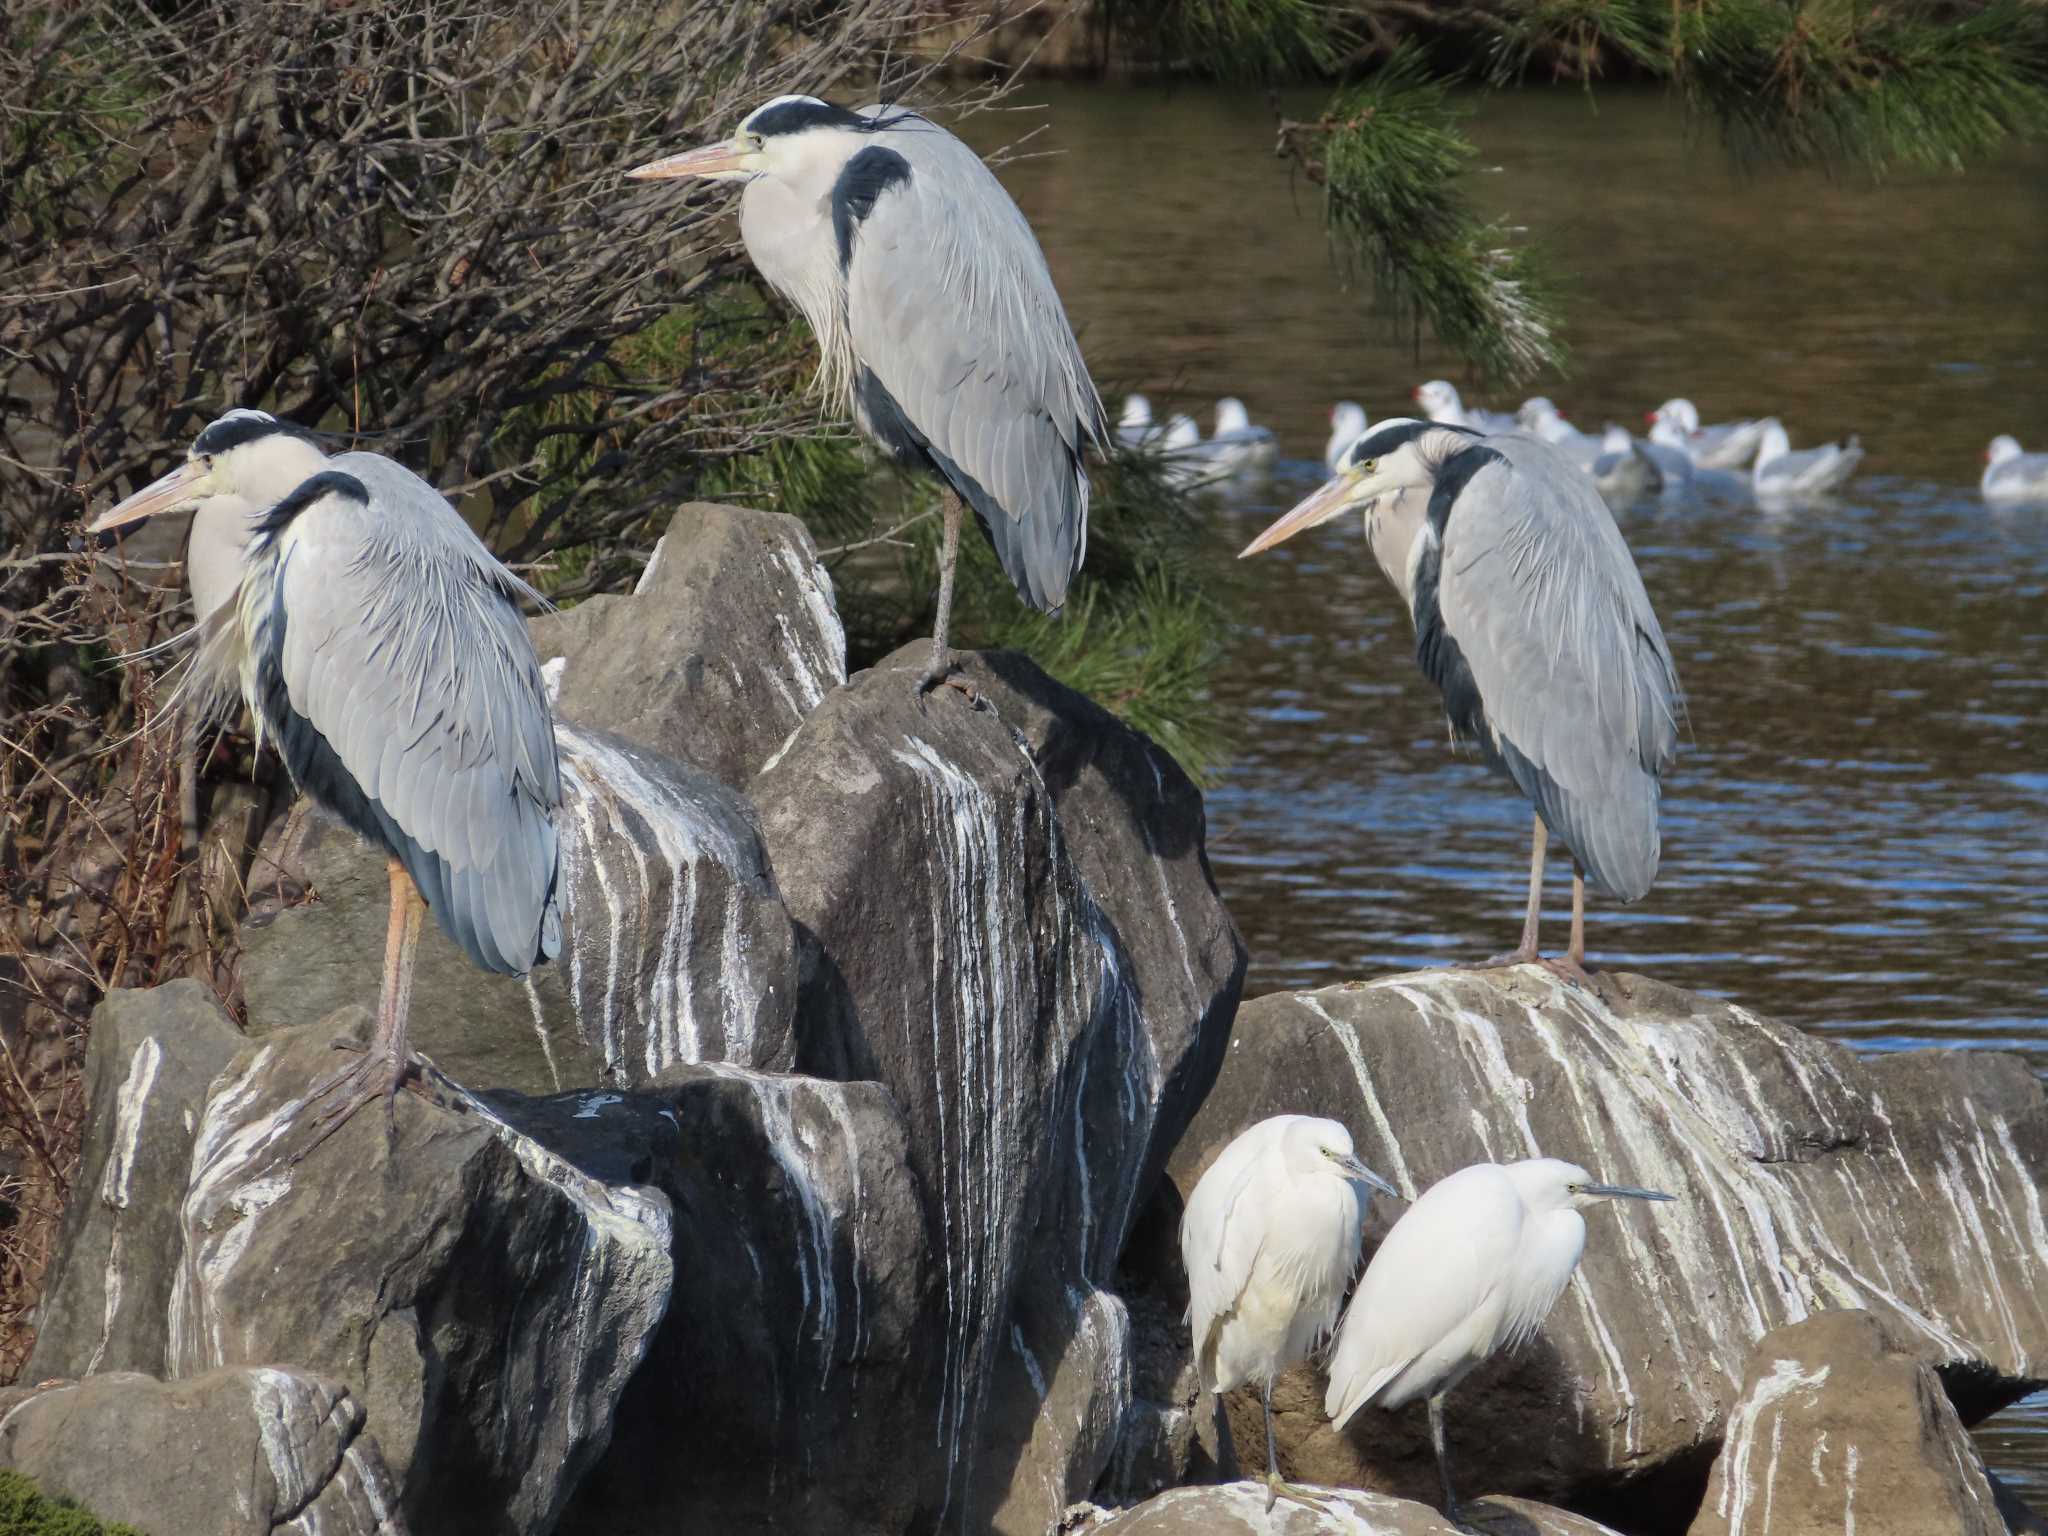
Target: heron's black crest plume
(1381,441)
(799,114)
(244,426)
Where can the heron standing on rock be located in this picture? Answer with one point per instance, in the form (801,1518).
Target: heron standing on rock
(1531,618)
(379,646)
(1472,1268)
(938,327)
(1270,1243)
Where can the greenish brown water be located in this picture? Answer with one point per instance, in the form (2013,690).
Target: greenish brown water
(1856,834)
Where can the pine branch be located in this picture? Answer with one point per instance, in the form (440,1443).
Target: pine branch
(1389,155)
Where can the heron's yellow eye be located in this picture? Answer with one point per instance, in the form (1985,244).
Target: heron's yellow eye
(1367,466)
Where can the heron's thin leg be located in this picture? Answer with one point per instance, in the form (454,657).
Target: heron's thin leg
(1539,845)
(1577,953)
(1443,1458)
(380,1072)
(949,555)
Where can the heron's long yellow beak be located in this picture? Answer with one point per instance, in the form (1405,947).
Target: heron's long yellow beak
(711,160)
(180,487)
(1334,497)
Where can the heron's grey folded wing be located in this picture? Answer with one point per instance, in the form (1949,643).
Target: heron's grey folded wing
(950,307)
(405,655)
(1537,589)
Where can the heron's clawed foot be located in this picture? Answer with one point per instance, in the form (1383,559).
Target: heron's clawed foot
(949,677)
(1566,969)
(371,1076)
(1277,1488)
(1523,956)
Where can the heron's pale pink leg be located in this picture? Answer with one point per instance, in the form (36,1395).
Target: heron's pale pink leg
(1538,846)
(949,556)
(381,1071)
(1571,965)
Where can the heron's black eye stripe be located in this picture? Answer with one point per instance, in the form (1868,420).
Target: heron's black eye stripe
(796,116)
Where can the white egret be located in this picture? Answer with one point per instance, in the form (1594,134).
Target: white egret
(1472,1268)
(1270,1240)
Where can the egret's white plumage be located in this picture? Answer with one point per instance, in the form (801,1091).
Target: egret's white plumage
(1270,1240)
(1471,1269)
(2010,475)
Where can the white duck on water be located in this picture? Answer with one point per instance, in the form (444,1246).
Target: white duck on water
(2009,474)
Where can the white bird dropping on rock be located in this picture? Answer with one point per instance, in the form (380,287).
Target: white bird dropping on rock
(1270,1241)
(1473,1267)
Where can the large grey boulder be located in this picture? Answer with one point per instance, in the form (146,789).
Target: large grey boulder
(231,1453)
(774,1396)
(1010,924)
(730,639)
(486,1298)
(106,1297)
(1839,1430)
(1239,1509)
(1807,1179)
(676,947)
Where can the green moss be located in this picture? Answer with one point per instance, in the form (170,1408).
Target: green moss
(26,1512)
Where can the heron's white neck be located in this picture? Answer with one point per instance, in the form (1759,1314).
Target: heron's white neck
(796,249)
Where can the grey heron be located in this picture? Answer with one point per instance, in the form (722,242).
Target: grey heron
(1440,403)
(1347,426)
(379,646)
(1532,620)
(2010,475)
(1473,1267)
(938,326)
(1270,1242)
(1782,473)
(1725,445)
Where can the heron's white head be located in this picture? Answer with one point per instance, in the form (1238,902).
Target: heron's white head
(1397,455)
(1312,1145)
(1439,401)
(2003,447)
(778,137)
(1137,413)
(1231,416)
(1774,443)
(248,457)
(1681,413)
(1551,1184)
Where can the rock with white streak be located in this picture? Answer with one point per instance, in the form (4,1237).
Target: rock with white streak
(773,1396)
(1239,1509)
(676,947)
(1807,1179)
(232,1453)
(1837,1429)
(152,1054)
(486,1297)
(729,641)
(1011,926)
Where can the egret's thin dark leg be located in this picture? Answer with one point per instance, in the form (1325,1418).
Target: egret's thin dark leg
(949,555)
(1538,847)
(381,1071)
(1443,1458)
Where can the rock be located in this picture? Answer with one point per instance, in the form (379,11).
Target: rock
(1008,922)
(1239,1509)
(1837,1429)
(486,1297)
(727,643)
(150,1057)
(1807,1180)
(676,944)
(773,1397)
(232,1453)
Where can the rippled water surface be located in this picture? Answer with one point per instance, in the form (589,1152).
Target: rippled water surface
(1856,834)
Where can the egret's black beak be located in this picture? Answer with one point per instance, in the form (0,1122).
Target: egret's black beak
(1625,1192)
(1366,1176)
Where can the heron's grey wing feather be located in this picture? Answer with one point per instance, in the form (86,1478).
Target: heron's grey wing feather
(404,650)
(1420,1306)
(1538,590)
(951,309)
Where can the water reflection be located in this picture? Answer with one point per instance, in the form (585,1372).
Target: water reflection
(1856,836)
